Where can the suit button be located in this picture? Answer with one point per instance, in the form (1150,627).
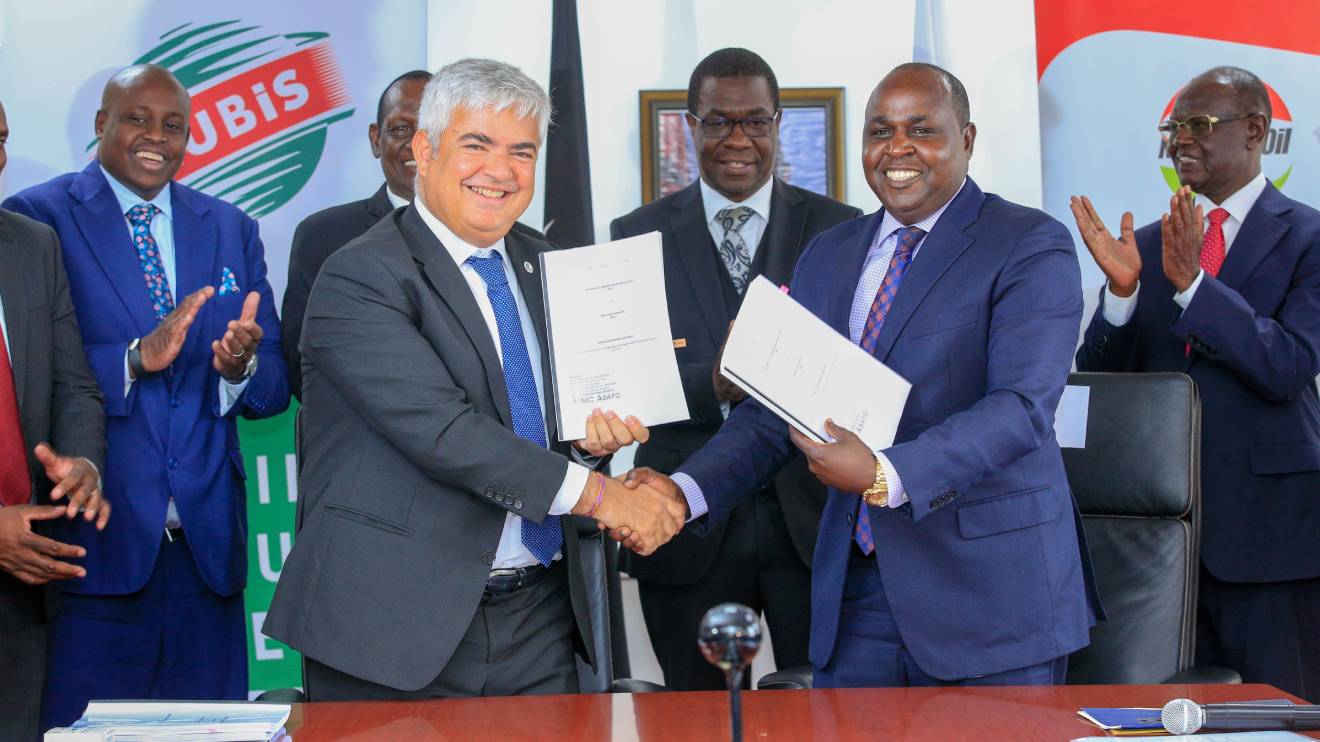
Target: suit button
(488,557)
(848,518)
(172,463)
(174,402)
(517,504)
(490,493)
(508,501)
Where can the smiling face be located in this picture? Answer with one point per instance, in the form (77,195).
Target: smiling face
(143,129)
(391,138)
(481,176)
(1219,164)
(915,152)
(737,165)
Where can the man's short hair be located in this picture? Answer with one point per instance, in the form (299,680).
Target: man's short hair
(479,84)
(962,107)
(1249,92)
(408,76)
(731,62)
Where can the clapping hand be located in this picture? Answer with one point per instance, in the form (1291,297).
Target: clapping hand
(1119,258)
(231,352)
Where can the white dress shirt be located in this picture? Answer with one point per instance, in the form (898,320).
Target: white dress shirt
(511,552)
(1118,310)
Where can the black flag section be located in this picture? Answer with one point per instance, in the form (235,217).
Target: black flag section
(568,221)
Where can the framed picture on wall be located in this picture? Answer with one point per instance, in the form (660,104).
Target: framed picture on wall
(810,152)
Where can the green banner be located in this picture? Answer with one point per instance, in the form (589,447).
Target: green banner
(272,494)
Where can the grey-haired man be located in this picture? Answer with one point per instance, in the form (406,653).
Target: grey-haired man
(438,555)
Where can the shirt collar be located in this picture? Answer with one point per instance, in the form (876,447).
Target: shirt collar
(128,199)
(459,250)
(715,202)
(1238,204)
(395,201)
(888,223)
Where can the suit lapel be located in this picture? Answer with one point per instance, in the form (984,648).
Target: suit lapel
(453,291)
(196,252)
(848,271)
(379,204)
(523,256)
(1263,228)
(945,244)
(778,253)
(13,295)
(697,254)
(103,228)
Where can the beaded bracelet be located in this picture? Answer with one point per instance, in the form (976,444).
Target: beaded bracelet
(600,495)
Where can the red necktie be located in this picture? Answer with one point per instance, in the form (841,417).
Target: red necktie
(15,480)
(1212,252)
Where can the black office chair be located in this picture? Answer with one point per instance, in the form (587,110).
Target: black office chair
(1137,484)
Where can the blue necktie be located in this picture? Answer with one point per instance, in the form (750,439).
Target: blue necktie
(908,238)
(153,270)
(542,540)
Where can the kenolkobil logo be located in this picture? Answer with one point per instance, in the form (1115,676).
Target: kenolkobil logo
(1276,161)
(261,105)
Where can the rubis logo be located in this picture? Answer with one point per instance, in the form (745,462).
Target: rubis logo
(261,105)
(1275,153)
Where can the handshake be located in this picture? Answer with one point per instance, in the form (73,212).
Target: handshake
(642,510)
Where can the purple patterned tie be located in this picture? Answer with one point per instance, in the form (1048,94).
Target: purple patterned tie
(908,238)
(158,286)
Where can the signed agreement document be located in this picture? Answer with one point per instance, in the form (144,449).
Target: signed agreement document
(802,370)
(610,343)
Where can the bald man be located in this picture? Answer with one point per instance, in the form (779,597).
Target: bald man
(169,286)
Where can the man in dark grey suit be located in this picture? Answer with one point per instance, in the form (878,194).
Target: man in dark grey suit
(49,403)
(737,221)
(438,555)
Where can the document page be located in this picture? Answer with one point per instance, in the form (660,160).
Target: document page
(607,318)
(802,370)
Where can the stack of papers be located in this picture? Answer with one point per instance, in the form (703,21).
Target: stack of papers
(175,721)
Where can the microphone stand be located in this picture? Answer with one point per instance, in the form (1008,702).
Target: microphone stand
(729,637)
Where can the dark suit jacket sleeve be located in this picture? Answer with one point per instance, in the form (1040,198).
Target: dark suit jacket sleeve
(77,414)
(267,393)
(697,377)
(1033,330)
(1277,356)
(1107,347)
(361,332)
(305,258)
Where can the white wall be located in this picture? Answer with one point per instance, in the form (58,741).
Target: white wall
(632,45)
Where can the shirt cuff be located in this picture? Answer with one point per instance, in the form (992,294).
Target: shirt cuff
(1118,310)
(692,493)
(230,392)
(128,376)
(897,494)
(575,480)
(1183,298)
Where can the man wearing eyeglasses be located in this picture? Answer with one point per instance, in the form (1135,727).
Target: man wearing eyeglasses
(321,234)
(735,222)
(1226,288)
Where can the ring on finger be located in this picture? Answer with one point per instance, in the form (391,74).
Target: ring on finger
(239,354)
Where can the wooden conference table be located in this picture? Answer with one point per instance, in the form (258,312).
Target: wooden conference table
(1019,714)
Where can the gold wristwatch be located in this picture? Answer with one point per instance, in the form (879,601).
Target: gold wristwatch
(878,495)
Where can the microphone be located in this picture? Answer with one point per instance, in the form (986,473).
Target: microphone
(1181,716)
(729,637)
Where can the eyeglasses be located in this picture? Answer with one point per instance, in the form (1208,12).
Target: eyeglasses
(719,127)
(1198,126)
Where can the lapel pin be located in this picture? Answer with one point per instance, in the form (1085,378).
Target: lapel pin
(527,266)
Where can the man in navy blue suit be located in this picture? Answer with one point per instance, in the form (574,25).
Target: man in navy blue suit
(953,555)
(177,318)
(1226,288)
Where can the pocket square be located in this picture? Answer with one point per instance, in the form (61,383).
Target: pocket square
(228,284)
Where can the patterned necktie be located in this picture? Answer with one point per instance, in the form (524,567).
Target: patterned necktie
(733,248)
(908,238)
(1212,252)
(543,539)
(15,478)
(153,270)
